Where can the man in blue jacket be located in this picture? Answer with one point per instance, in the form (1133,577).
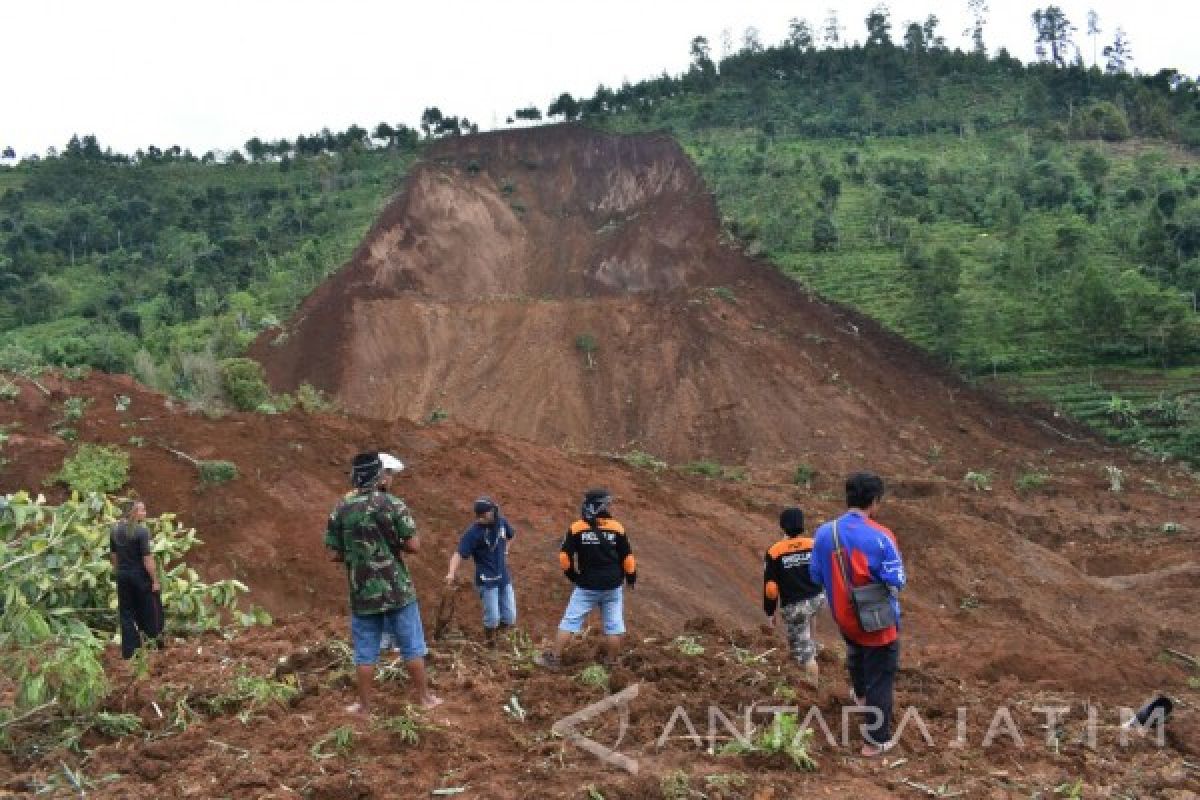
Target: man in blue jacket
(868,554)
(486,541)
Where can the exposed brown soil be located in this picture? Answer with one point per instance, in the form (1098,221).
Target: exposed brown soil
(1069,595)
(471,291)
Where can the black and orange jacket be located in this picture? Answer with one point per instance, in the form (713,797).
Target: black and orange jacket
(785,573)
(597,556)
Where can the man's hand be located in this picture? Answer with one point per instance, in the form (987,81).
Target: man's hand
(450,579)
(154,587)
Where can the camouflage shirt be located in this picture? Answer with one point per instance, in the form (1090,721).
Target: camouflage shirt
(368,529)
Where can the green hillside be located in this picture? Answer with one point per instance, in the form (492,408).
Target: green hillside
(1021,221)
(162,265)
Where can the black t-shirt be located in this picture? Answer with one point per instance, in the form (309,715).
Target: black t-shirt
(129,547)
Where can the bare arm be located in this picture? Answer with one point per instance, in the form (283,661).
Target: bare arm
(452,571)
(148,559)
(152,569)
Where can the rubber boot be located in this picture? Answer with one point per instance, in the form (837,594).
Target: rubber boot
(489,638)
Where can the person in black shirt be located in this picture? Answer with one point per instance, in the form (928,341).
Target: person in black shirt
(786,583)
(138,600)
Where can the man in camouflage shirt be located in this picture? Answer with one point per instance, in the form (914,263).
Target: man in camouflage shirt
(368,532)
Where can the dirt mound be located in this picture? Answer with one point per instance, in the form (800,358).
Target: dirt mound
(572,287)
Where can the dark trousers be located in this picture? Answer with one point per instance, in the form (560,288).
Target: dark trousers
(140,610)
(873,673)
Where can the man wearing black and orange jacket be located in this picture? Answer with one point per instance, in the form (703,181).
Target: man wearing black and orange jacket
(597,558)
(787,583)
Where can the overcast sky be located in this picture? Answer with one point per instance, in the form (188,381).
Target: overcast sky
(210,75)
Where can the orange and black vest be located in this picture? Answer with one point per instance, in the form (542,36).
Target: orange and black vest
(785,573)
(597,556)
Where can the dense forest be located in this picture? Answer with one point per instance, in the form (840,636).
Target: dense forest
(1008,217)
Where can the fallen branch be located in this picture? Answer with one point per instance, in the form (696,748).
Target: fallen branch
(244,752)
(1054,430)
(34,381)
(27,714)
(920,787)
(1195,662)
(195,462)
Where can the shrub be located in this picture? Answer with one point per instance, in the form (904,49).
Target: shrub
(1032,481)
(213,472)
(57,564)
(709,469)
(312,400)
(595,676)
(407,726)
(784,737)
(21,360)
(979,481)
(586,344)
(244,384)
(340,739)
(804,475)
(253,692)
(1102,120)
(643,460)
(94,468)
(73,408)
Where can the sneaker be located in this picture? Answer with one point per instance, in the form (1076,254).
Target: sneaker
(875,750)
(548,660)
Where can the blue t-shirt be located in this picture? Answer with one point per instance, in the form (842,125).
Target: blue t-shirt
(488,545)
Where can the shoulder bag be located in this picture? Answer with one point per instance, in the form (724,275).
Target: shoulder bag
(872,603)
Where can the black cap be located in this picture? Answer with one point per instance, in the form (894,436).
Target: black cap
(365,470)
(792,521)
(595,503)
(484,504)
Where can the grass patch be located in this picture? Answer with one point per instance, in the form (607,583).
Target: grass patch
(785,738)
(94,468)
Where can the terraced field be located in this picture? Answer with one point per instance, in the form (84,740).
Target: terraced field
(1156,410)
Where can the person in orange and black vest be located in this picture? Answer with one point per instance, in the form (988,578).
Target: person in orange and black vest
(595,556)
(788,586)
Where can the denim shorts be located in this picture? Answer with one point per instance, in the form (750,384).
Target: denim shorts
(611,606)
(404,624)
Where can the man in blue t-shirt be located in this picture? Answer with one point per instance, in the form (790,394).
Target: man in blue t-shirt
(486,541)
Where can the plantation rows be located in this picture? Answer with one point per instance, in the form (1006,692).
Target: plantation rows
(1154,409)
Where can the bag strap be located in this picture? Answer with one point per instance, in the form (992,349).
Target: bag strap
(839,555)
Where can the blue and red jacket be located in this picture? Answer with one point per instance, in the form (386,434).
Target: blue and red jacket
(873,557)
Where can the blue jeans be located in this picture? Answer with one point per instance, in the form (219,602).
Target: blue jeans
(583,601)
(499,605)
(404,624)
